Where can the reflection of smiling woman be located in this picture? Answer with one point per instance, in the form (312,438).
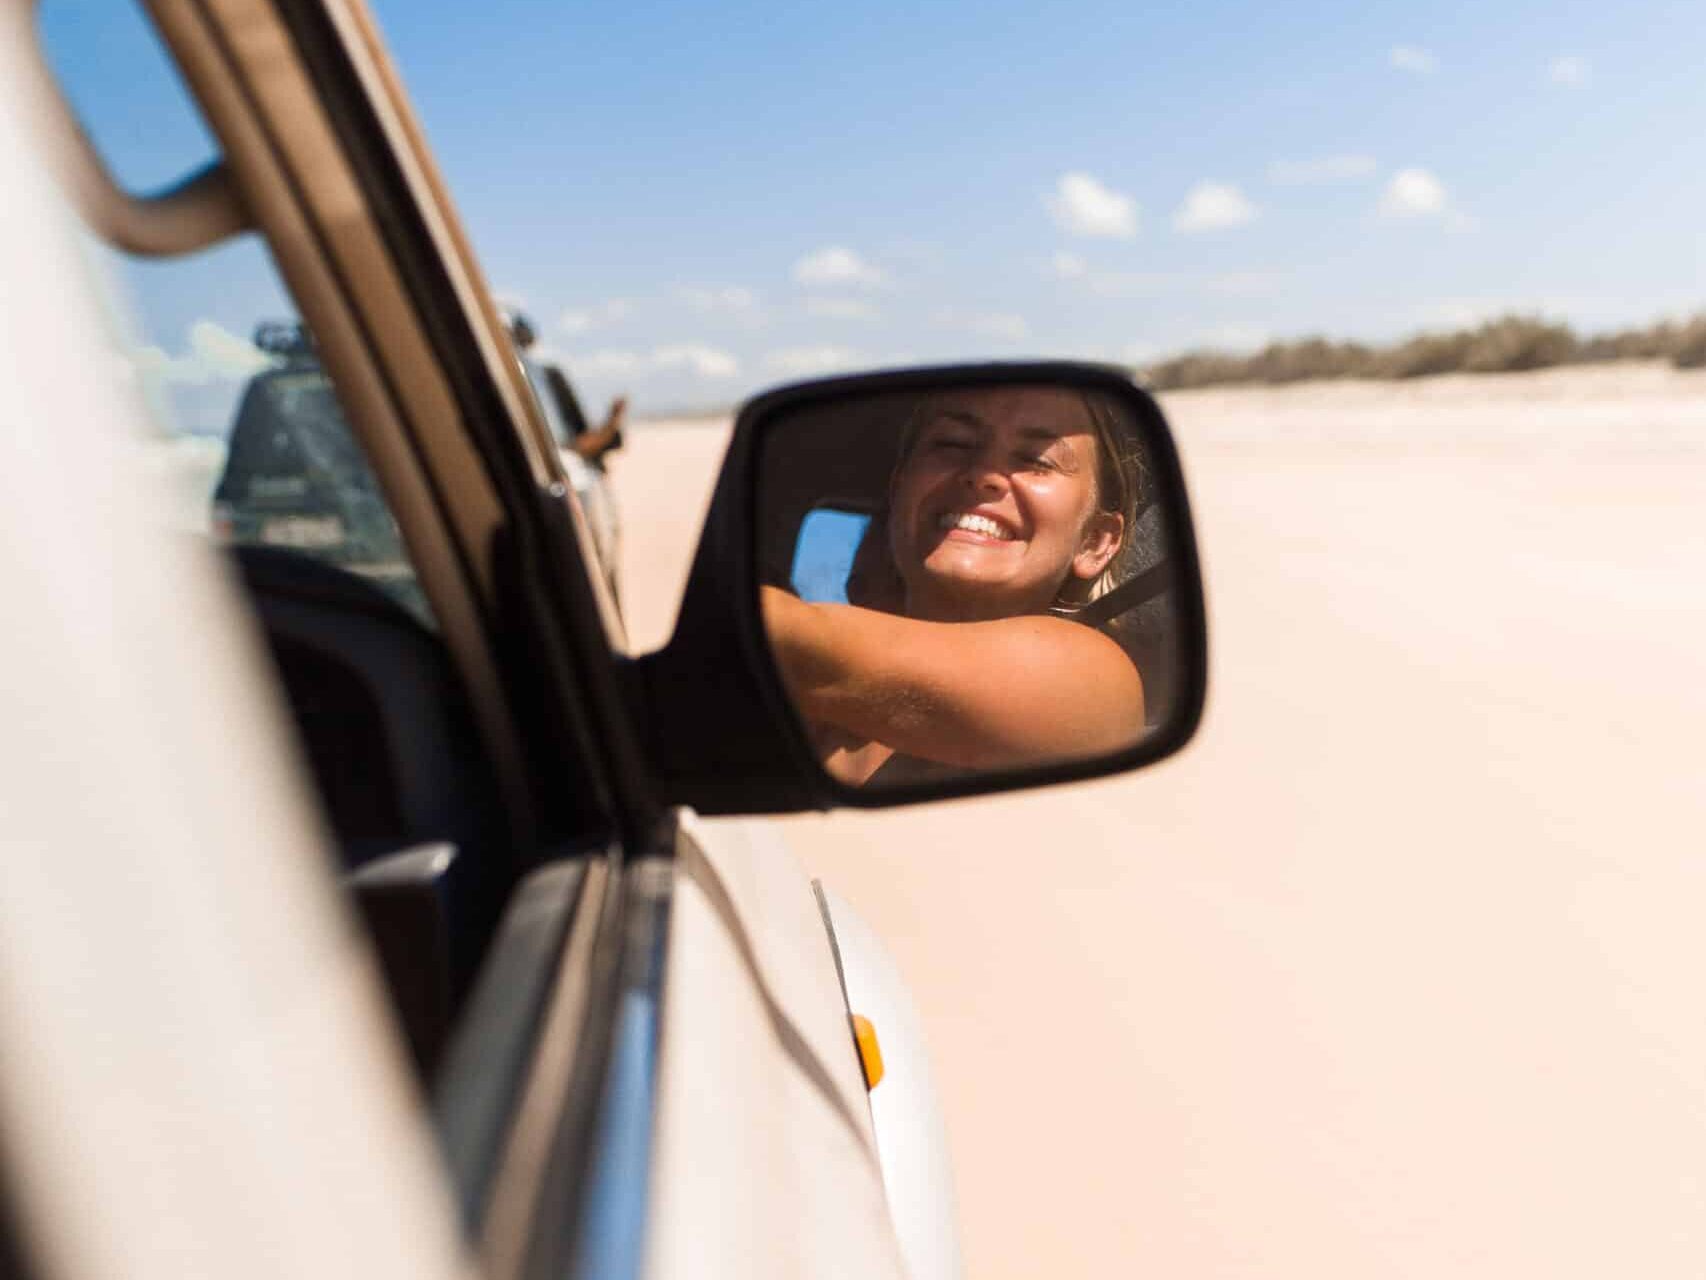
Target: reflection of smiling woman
(1006,501)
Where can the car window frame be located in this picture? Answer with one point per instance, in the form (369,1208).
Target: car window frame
(313,123)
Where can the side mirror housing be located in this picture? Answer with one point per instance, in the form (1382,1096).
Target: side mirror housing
(931,583)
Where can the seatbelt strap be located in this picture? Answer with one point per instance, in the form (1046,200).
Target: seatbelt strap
(1128,595)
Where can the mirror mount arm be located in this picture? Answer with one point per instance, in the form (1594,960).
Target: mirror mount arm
(202,209)
(720,733)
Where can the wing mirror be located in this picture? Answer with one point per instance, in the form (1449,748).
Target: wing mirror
(932,583)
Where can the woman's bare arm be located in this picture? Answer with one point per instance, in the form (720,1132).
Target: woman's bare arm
(973,694)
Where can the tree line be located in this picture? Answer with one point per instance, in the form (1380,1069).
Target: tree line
(1506,345)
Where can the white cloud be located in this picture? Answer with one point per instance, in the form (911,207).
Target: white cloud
(1569,71)
(841,309)
(599,316)
(1069,266)
(1419,62)
(223,353)
(705,362)
(213,354)
(802,362)
(1213,206)
(836,265)
(1300,173)
(1413,193)
(732,299)
(700,360)
(1084,207)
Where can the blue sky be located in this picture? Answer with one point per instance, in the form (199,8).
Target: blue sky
(694,202)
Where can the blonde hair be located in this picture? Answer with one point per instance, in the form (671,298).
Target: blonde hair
(1120,485)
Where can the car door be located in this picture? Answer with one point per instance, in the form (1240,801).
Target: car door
(654,1066)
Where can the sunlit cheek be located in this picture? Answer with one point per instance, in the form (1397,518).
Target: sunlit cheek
(1055,513)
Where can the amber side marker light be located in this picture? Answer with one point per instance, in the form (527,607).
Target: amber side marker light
(870,1055)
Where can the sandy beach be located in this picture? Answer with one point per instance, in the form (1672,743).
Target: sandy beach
(1398,969)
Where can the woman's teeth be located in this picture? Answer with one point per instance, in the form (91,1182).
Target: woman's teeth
(973,524)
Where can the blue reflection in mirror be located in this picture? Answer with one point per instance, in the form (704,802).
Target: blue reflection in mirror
(823,555)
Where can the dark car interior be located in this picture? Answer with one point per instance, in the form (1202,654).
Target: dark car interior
(383,723)
(389,741)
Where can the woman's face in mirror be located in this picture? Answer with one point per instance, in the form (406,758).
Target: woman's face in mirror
(993,506)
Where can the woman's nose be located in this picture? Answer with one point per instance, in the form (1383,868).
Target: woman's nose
(984,475)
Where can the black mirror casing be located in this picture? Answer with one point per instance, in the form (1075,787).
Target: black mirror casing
(720,731)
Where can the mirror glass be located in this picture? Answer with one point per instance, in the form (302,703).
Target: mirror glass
(970,579)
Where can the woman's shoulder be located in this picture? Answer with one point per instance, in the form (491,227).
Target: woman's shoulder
(1061,632)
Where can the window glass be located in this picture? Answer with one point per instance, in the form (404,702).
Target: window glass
(823,557)
(250,434)
(143,120)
